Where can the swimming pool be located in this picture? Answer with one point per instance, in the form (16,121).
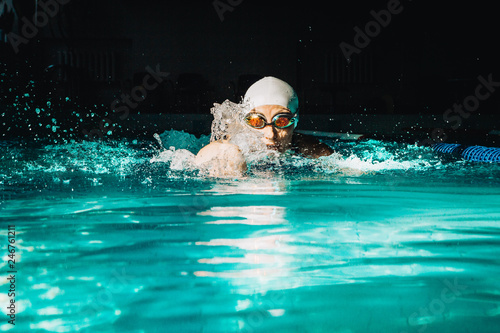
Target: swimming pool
(116,237)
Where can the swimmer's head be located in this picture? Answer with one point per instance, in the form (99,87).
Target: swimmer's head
(272,91)
(275,102)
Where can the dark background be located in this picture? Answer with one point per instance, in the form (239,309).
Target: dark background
(91,52)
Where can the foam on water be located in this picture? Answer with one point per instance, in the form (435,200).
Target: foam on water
(175,152)
(369,156)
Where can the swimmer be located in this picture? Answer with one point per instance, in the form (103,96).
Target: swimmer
(275,114)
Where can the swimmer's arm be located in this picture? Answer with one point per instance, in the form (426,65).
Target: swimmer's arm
(310,147)
(221,159)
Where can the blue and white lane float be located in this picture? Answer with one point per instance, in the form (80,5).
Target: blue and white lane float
(469,153)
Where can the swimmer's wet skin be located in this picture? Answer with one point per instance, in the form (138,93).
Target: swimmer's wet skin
(221,159)
(274,112)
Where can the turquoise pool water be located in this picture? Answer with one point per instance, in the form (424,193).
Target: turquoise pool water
(121,236)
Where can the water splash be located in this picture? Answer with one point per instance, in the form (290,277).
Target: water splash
(377,156)
(228,124)
(351,158)
(181,140)
(178,149)
(126,163)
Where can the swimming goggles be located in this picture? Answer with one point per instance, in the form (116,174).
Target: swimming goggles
(280,121)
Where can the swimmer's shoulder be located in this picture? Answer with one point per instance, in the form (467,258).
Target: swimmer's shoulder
(310,146)
(216,148)
(221,159)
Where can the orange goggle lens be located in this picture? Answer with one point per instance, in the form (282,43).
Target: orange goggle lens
(281,122)
(255,121)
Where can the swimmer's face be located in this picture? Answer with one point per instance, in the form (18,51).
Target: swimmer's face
(278,139)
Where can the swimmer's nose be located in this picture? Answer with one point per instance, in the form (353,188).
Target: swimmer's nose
(269,132)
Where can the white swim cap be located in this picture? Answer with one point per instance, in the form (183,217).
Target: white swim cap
(272,91)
